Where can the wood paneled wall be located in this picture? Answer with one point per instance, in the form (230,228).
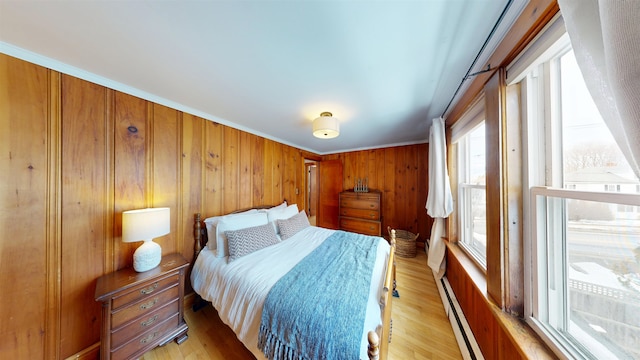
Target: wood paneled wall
(401,173)
(28,200)
(75,155)
(500,336)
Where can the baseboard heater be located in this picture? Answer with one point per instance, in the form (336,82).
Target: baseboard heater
(466,341)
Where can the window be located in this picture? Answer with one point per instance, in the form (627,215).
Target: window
(582,229)
(472,193)
(612,187)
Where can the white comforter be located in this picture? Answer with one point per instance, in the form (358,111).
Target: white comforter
(238,289)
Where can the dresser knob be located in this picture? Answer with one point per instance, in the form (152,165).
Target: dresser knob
(149,305)
(149,290)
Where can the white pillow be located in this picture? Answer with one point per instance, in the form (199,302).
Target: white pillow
(281,206)
(210,224)
(280,213)
(235,223)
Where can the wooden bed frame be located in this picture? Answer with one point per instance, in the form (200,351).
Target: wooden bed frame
(377,350)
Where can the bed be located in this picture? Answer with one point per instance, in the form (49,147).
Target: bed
(254,281)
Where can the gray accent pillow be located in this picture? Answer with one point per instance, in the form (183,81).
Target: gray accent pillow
(293,225)
(245,241)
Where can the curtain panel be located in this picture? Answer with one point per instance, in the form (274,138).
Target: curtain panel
(439,200)
(605,36)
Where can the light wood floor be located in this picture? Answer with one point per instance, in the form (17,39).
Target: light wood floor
(421,329)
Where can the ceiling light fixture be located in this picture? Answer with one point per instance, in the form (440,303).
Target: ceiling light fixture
(326,126)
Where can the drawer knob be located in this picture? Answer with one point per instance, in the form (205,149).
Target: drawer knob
(148,338)
(149,290)
(150,321)
(148,305)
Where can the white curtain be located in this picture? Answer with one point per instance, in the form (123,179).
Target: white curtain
(605,36)
(439,201)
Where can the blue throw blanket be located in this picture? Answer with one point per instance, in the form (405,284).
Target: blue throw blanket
(317,310)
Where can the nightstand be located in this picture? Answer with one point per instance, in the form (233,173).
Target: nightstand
(142,310)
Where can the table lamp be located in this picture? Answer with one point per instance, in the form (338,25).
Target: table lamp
(144,225)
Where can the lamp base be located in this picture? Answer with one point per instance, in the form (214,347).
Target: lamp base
(147,256)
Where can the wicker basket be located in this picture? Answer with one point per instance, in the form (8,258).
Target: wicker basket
(405,243)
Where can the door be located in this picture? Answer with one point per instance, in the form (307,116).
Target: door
(329,188)
(312,190)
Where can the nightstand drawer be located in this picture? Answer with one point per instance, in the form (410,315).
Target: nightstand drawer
(145,340)
(140,325)
(145,290)
(145,306)
(360,213)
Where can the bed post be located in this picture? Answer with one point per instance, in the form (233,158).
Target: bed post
(197,236)
(379,340)
(198,302)
(374,346)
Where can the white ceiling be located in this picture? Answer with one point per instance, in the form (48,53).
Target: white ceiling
(384,68)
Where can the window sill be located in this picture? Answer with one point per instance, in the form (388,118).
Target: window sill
(523,338)
(473,270)
(478,264)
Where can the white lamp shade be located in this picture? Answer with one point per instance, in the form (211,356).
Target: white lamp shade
(326,126)
(145,224)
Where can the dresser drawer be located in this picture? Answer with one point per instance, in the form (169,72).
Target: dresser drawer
(360,213)
(360,226)
(145,290)
(145,340)
(140,325)
(144,306)
(367,203)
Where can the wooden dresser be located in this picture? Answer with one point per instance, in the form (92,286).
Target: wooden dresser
(142,310)
(360,212)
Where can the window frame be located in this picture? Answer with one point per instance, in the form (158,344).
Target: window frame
(536,79)
(560,343)
(465,188)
